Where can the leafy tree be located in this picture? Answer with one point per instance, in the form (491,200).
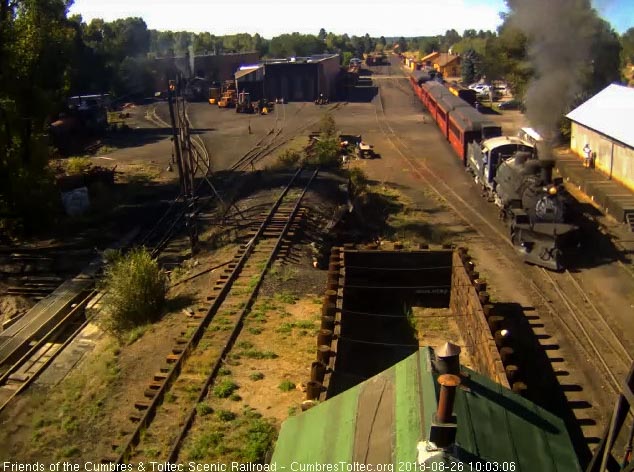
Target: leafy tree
(402,44)
(295,44)
(451,37)
(382,41)
(470,66)
(37,44)
(322,34)
(627,44)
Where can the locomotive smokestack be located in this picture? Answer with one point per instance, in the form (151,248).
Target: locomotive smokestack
(547,170)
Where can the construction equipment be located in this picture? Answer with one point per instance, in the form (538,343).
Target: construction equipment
(263,106)
(244,104)
(228,99)
(321,100)
(214,95)
(364,150)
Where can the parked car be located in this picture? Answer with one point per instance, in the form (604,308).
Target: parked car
(511,105)
(502,88)
(480,88)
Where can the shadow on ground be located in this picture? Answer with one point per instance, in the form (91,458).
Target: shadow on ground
(537,357)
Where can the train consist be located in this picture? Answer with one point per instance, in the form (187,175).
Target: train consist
(532,203)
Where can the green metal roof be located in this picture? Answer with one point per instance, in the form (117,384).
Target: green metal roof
(382,421)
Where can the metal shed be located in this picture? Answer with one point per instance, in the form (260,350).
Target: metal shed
(604,122)
(388,420)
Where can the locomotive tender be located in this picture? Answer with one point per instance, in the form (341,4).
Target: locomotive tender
(532,203)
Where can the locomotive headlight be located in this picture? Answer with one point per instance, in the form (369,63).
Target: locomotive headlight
(552,190)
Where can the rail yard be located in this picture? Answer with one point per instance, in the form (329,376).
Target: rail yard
(263,317)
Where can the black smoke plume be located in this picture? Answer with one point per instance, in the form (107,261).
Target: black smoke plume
(559,36)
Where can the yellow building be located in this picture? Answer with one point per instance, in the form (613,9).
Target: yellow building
(447,64)
(604,123)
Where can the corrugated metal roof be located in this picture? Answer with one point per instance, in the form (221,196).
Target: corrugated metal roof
(247,71)
(382,420)
(609,112)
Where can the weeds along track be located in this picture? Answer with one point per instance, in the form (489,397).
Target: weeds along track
(275,139)
(562,304)
(162,418)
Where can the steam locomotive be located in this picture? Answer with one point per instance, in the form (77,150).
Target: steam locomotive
(532,203)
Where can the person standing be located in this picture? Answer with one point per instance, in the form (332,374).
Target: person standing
(587,156)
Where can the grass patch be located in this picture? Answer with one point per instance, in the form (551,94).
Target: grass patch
(69,451)
(246,439)
(285,328)
(255,330)
(203,409)
(255,376)
(226,415)
(225,388)
(286,386)
(286,297)
(304,324)
(77,165)
(254,354)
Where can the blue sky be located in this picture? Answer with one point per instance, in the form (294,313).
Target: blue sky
(273,17)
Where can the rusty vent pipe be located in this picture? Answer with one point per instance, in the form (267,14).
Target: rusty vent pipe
(448,384)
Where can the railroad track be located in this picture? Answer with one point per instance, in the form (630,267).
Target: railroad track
(584,321)
(275,141)
(191,369)
(595,335)
(19,376)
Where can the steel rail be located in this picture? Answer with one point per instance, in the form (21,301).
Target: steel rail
(148,414)
(423,171)
(175,449)
(48,337)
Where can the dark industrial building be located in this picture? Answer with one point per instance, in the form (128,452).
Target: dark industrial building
(214,67)
(295,79)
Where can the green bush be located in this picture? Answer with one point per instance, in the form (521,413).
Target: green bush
(226,415)
(286,386)
(256,376)
(77,165)
(203,409)
(135,289)
(359,180)
(327,126)
(325,152)
(289,159)
(259,438)
(225,389)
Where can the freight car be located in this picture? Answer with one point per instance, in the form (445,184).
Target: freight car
(464,93)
